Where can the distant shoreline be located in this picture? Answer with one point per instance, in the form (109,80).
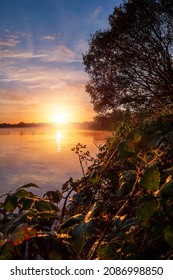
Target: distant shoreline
(22,124)
(84,125)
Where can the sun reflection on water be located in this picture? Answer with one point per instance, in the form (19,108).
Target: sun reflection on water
(58,140)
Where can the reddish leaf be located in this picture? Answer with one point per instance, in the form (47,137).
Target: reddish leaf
(22,233)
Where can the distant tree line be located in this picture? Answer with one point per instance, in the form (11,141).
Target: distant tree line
(22,124)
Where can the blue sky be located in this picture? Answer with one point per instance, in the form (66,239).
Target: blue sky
(41,42)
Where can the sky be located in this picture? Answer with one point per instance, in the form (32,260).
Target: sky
(41,46)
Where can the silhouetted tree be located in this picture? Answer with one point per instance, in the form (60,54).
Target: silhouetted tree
(130,64)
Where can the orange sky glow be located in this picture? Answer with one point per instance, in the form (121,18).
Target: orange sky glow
(41,46)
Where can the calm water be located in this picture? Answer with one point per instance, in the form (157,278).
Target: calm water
(42,156)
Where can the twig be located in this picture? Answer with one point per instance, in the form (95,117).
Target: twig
(95,144)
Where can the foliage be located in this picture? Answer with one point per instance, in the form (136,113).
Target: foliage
(130,63)
(122,208)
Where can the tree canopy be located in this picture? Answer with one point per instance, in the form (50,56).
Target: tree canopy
(130,63)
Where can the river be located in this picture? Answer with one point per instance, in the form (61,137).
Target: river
(43,156)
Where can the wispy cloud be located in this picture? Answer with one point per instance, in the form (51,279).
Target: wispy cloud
(10,42)
(96,13)
(44,77)
(12,95)
(59,53)
(18,55)
(56,54)
(48,37)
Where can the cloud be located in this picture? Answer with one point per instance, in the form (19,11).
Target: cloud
(56,54)
(59,53)
(48,37)
(14,54)
(12,95)
(96,13)
(43,77)
(11,42)
(45,87)
(18,55)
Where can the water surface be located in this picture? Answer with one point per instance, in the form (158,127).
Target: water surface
(43,156)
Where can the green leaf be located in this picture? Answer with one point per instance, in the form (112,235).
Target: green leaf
(7,252)
(126,181)
(78,234)
(68,184)
(137,137)
(146,207)
(94,178)
(151,178)
(111,142)
(23,193)
(89,229)
(26,203)
(72,222)
(125,149)
(168,234)
(30,185)
(22,233)
(42,205)
(54,196)
(16,220)
(10,203)
(95,211)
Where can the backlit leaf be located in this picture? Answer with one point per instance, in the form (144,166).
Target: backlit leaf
(54,196)
(23,193)
(125,149)
(10,203)
(146,207)
(72,221)
(151,178)
(94,178)
(30,185)
(21,234)
(42,205)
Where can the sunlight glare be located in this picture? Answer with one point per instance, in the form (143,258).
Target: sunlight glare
(60,118)
(58,140)
(58,136)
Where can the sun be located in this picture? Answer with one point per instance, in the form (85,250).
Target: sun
(60,118)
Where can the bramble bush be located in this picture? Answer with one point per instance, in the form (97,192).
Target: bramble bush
(122,207)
